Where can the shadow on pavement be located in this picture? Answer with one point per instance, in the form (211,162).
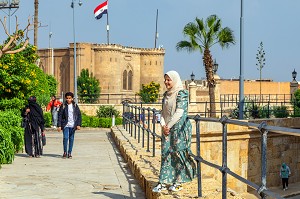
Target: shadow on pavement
(111,195)
(52,155)
(125,170)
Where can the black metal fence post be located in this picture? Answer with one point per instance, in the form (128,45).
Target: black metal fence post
(264,137)
(197,119)
(134,122)
(224,157)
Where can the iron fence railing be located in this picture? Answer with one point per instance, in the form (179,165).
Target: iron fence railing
(130,120)
(234,98)
(266,109)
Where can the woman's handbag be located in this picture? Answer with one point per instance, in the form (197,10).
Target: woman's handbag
(43,139)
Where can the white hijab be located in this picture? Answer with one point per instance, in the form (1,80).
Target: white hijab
(169,105)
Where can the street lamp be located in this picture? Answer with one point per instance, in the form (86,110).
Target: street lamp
(241,78)
(4,4)
(74,38)
(215,67)
(52,54)
(294,75)
(192,77)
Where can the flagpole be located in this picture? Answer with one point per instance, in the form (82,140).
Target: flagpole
(156,33)
(107,26)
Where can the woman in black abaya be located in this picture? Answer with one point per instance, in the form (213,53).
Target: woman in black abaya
(34,128)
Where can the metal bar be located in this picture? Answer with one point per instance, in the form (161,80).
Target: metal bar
(263,159)
(153,131)
(139,131)
(134,122)
(148,129)
(197,119)
(224,158)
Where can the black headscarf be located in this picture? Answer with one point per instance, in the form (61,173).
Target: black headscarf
(36,116)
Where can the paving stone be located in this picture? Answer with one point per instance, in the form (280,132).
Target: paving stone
(96,171)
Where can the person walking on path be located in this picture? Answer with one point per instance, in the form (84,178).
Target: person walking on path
(69,120)
(53,106)
(285,173)
(33,123)
(177,166)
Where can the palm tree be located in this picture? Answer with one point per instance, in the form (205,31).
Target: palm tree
(202,36)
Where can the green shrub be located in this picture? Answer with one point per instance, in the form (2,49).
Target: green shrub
(48,119)
(17,137)
(7,150)
(107,112)
(85,120)
(105,122)
(119,121)
(95,122)
(280,111)
(10,120)
(15,103)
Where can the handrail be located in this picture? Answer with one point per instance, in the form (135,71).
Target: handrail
(262,127)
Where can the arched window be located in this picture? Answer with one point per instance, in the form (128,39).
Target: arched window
(125,80)
(130,80)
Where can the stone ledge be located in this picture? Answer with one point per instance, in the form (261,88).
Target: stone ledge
(145,169)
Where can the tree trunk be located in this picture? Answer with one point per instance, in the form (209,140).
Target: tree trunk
(36,22)
(208,62)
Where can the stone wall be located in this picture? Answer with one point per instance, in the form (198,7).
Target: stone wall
(244,157)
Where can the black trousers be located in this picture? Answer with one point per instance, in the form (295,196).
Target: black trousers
(285,183)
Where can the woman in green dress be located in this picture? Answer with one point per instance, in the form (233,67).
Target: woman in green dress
(177,166)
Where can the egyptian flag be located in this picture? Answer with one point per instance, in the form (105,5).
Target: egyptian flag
(101,10)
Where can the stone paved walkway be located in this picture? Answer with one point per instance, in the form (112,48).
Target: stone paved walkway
(97,170)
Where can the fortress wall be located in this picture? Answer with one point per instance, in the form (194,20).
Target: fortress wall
(253,87)
(152,68)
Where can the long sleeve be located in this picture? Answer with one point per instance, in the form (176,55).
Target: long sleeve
(175,118)
(181,106)
(162,121)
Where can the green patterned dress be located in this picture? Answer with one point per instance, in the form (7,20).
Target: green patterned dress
(177,166)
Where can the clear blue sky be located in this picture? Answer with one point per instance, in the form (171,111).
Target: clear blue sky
(132,23)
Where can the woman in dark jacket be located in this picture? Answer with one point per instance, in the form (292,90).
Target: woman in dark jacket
(33,121)
(69,120)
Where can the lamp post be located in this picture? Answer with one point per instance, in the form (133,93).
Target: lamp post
(192,77)
(4,4)
(294,75)
(74,45)
(52,54)
(216,66)
(241,78)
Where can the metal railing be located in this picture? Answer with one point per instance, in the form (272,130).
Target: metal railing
(252,109)
(130,120)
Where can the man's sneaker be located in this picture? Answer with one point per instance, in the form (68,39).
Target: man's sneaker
(70,156)
(64,155)
(159,187)
(175,187)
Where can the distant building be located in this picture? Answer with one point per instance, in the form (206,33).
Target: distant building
(120,69)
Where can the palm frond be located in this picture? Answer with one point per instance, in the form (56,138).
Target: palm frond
(226,37)
(185,45)
(210,21)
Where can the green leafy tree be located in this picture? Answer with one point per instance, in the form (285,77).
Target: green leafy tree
(21,77)
(202,35)
(296,103)
(52,82)
(88,87)
(149,92)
